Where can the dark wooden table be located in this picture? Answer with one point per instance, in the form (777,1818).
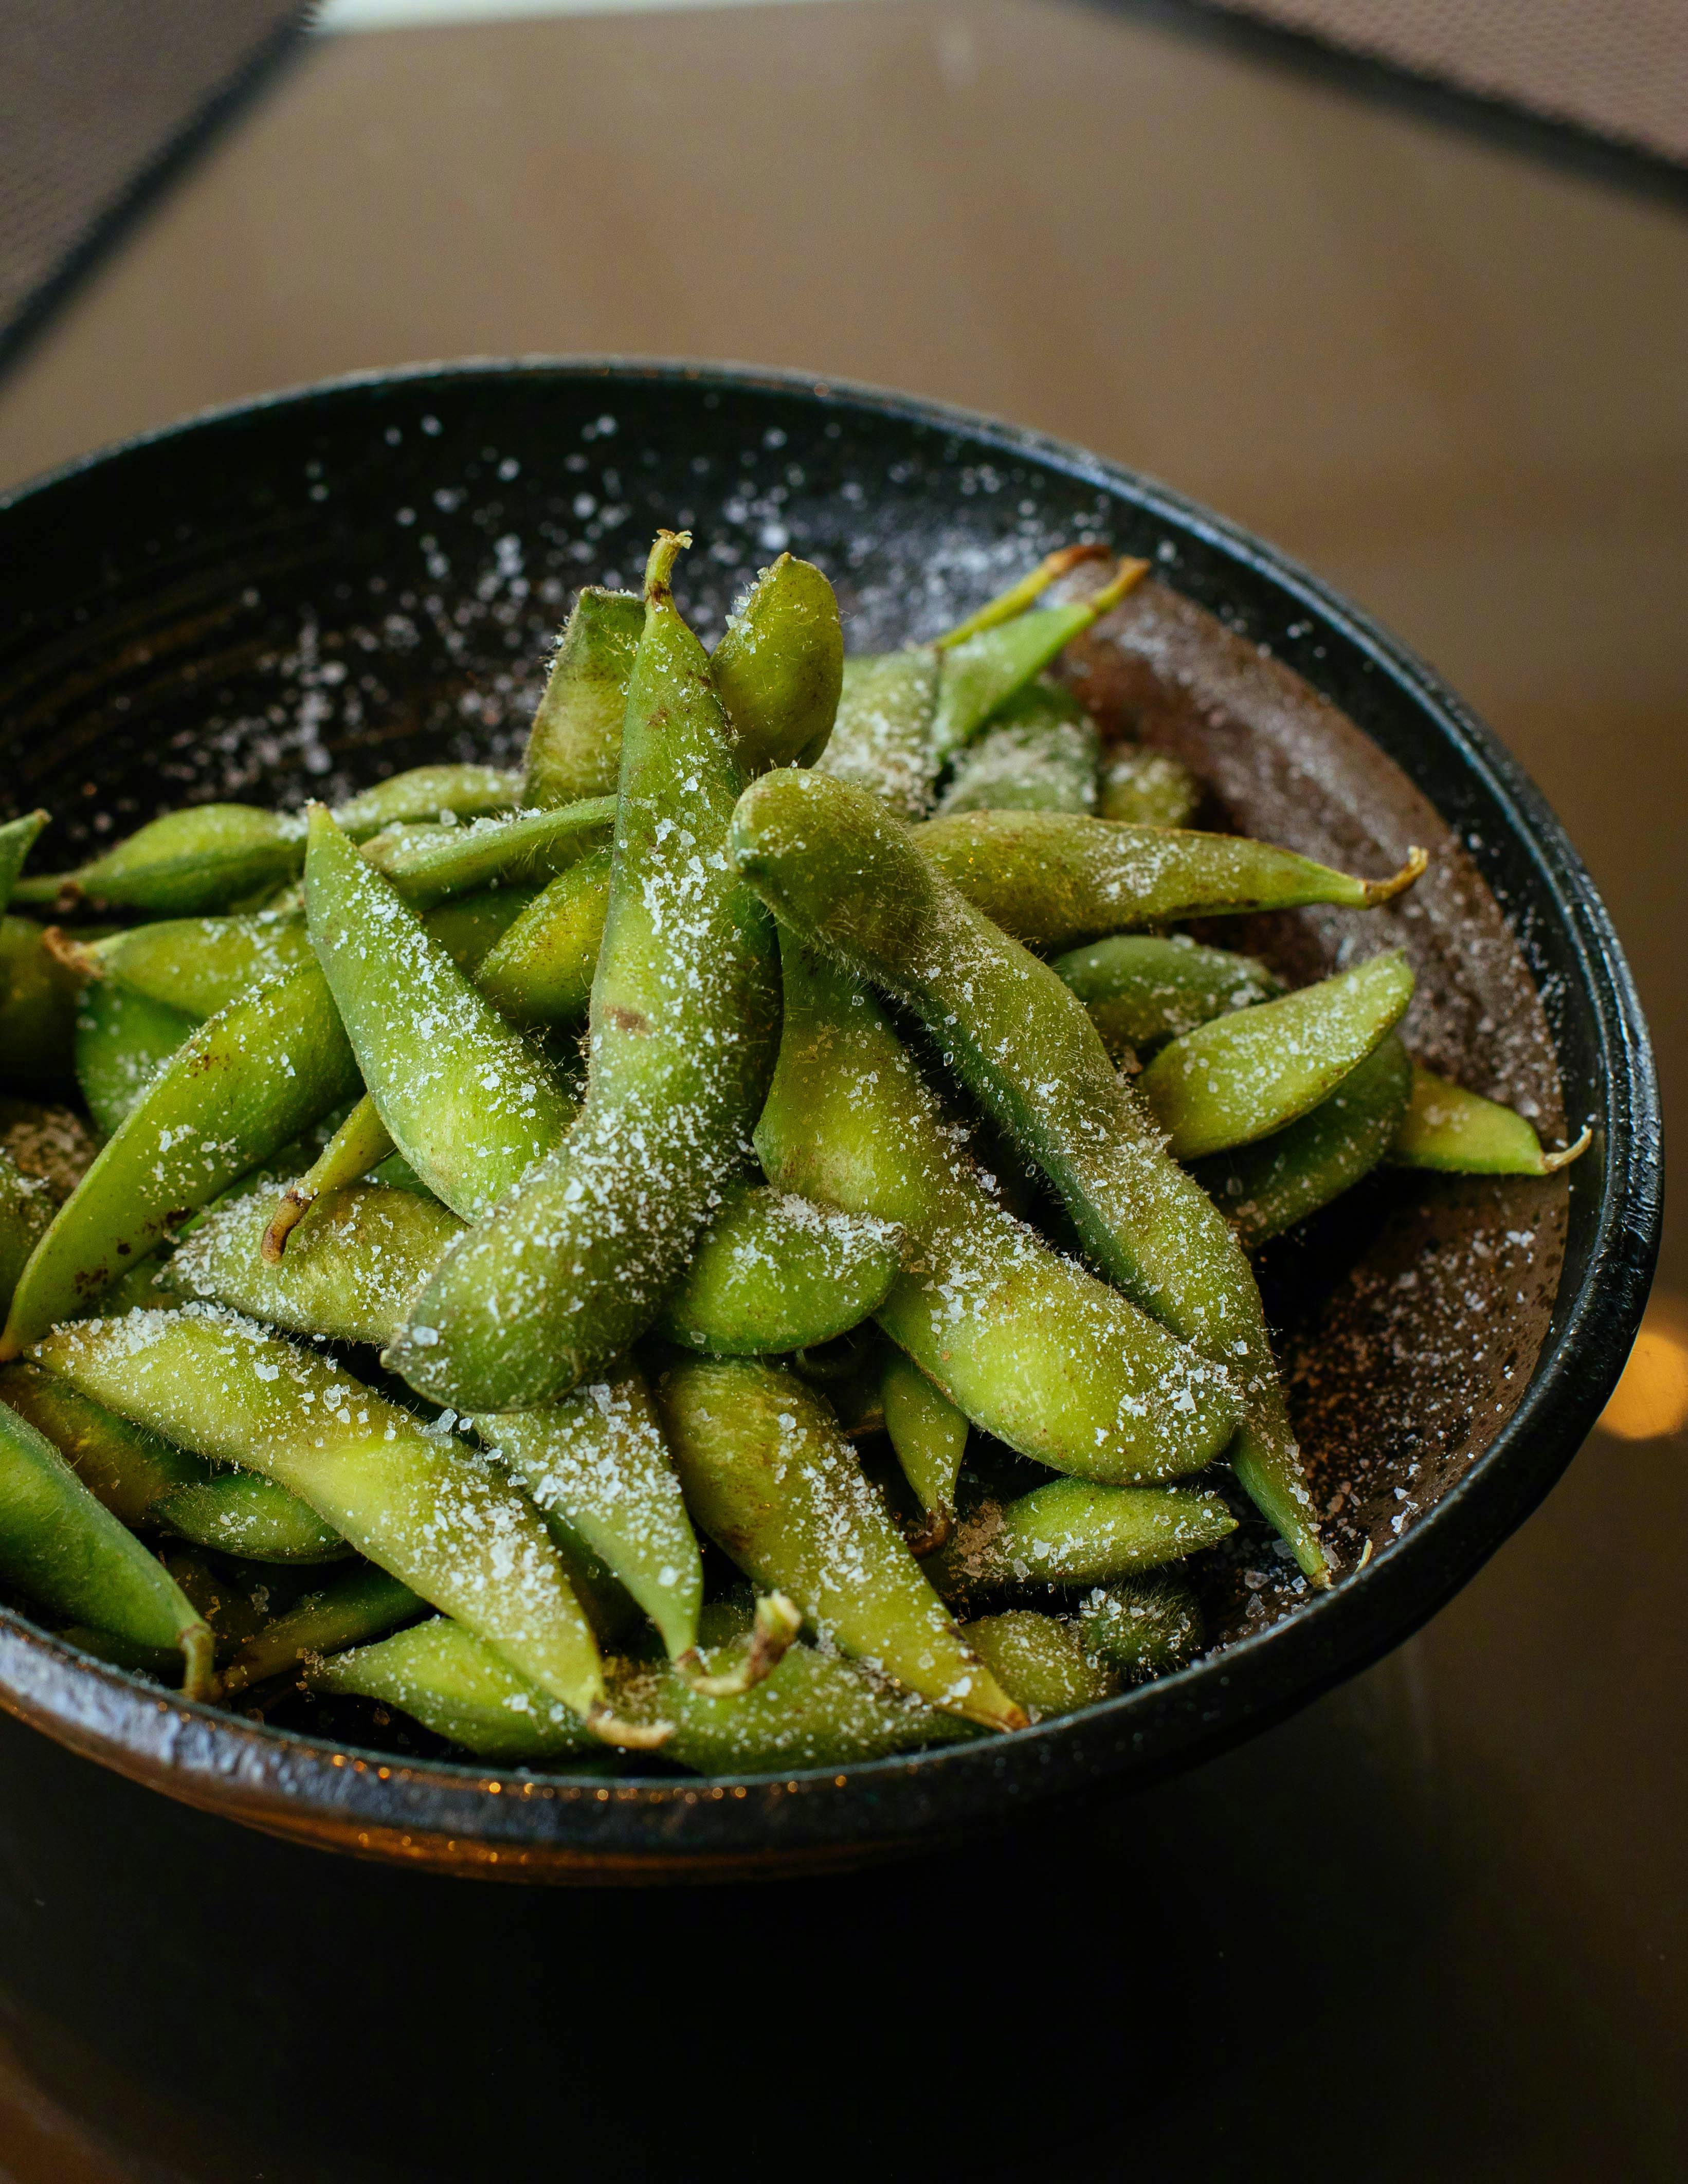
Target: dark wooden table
(1434,1926)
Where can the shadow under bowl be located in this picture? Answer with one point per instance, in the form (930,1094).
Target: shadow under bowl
(303,594)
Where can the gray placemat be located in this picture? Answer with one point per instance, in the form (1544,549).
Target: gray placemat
(1616,67)
(97,99)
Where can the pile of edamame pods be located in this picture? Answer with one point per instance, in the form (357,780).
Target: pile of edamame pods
(731,1243)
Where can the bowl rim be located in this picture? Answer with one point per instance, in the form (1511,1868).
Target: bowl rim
(470,1816)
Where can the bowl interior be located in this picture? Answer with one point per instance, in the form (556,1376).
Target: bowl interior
(302,597)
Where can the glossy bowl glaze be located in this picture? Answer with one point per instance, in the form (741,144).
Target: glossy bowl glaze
(303,594)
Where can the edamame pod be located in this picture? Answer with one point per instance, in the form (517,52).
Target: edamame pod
(1025,1341)
(1448,1128)
(416,1503)
(772,1481)
(1147,789)
(197,965)
(1024,592)
(123,1040)
(467,1101)
(146,1483)
(429,864)
(1073,1532)
(983,666)
(38,1007)
(17,838)
(779,665)
(1040,753)
(443,1676)
(349,1273)
(574,748)
(241,1085)
(1141,1626)
(204,858)
(881,737)
(1264,1188)
(1140,989)
(836,868)
(930,1437)
(573,1267)
(1043,1661)
(540,973)
(69,1556)
(816,1709)
(776,1273)
(597,1459)
(429,792)
(26,1212)
(362,1604)
(1053,879)
(1244,1075)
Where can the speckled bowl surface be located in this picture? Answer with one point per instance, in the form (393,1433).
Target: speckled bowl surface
(301,595)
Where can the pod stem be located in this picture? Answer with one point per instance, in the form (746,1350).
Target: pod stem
(200,1661)
(1018,597)
(1552,1162)
(933,1533)
(291,1208)
(1126,578)
(605,1724)
(77,956)
(659,568)
(1380,891)
(778,1620)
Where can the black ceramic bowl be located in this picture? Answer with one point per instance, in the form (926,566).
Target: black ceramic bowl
(304,593)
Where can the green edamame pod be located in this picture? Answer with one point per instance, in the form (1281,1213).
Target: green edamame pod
(1040,753)
(540,973)
(1141,1626)
(836,868)
(1043,1661)
(38,1005)
(574,748)
(467,1101)
(1264,1188)
(241,1085)
(881,737)
(123,1040)
(1026,1342)
(197,965)
(17,838)
(69,1556)
(429,792)
(770,1477)
(349,1272)
(930,1437)
(443,1676)
(26,1212)
(205,858)
(1244,1075)
(146,1483)
(1053,879)
(1140,989)
(983,667)
(816,1709)
(573,1267)
(1458,1132)
(416,1503)
(361,1604)
(779,665)
(597,1458)
(776,1273)
(428,865)
(1073,1532)
(1147,789)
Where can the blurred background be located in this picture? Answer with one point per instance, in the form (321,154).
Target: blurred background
(1402,286)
